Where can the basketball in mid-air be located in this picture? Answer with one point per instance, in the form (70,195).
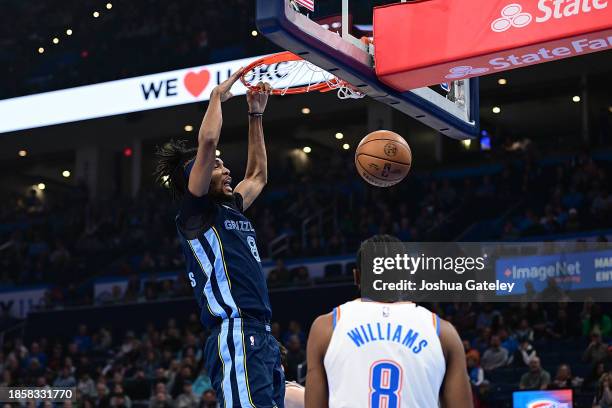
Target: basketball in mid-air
(383,158)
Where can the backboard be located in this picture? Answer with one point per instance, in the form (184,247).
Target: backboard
(327,41)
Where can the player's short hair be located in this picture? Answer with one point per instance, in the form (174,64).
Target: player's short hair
(174,160)
(379,240)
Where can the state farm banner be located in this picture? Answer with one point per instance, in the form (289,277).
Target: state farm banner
(433,41)
(128,95)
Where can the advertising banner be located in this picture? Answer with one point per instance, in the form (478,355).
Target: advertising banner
(473,38)
(18,303)
(136,94)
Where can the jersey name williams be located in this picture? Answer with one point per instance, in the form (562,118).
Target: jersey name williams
(371,332)
(244,226)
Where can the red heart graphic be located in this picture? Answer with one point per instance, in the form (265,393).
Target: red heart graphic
(196,82)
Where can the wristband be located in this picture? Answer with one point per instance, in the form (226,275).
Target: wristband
(256,114)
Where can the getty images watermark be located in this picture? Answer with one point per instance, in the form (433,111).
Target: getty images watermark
(487,272)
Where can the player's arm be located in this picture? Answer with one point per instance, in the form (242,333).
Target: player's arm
(316,379)
(208,137)
(256,175)
(456,390)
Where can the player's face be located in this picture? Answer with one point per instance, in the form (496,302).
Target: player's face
(221,182)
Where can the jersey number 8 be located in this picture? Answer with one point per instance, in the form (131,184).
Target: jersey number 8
(385,384)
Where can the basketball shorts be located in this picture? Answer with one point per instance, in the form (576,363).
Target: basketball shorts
(244,364)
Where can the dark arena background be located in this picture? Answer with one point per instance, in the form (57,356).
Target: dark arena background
(93,289)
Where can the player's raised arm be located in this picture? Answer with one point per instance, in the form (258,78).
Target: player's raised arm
(208,137)
(456,391)
(256,175)
(317,394)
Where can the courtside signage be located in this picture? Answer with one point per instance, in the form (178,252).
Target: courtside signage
(125,96)
(477,38)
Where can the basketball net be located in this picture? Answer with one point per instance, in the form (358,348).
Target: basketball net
(289,74)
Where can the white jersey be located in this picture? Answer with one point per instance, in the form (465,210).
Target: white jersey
(384,355)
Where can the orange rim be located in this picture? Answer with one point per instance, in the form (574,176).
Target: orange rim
(285,56)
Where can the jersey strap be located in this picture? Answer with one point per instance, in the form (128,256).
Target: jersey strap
(335,316)
(436,322)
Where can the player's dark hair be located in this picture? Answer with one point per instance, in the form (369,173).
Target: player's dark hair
(170,170)
(379,241)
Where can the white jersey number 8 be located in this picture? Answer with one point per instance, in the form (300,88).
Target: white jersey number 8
(385,384)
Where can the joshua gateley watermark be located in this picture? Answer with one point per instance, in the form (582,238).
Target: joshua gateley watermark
(440,285)
(412,265)
(486,272)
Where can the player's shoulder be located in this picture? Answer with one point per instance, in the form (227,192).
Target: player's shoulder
(322,322)
(449,339)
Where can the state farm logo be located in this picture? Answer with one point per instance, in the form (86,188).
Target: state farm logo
(512,16)
(464,71)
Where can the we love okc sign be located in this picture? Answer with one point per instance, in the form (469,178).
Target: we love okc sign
(123,96)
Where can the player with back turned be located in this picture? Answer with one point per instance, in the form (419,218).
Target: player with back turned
(223,265)
(393,355)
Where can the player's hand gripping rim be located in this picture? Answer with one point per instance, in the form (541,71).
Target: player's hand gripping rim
(223,89)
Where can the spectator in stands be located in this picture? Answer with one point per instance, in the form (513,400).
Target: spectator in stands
(83,340)
(483,340)
(475,371)
(564,378)
(597,350)
(523,355)
(592,381)
(102,397)
(597,320)
(495,356)
(119,399)
(538,319)
(33,371)
(186,399)
(509,231)
(524,331)
(603,398)
(602,204)
(294,328)
(160,398)
(202,383)
(183,376)
(536,378)
(301,278)
(284,277)
(65,379)
(562,326)
(573,222)
(273,279)
(138,387)
(485,318)
(209,399)
(86,385)
(37,353)
(295,357)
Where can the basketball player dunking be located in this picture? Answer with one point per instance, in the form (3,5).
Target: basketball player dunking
(393,355)
(223,264)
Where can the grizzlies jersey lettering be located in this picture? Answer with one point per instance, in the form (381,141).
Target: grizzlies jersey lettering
(384,355)
(222,260)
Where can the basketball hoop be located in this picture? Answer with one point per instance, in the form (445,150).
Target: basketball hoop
(288,74)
